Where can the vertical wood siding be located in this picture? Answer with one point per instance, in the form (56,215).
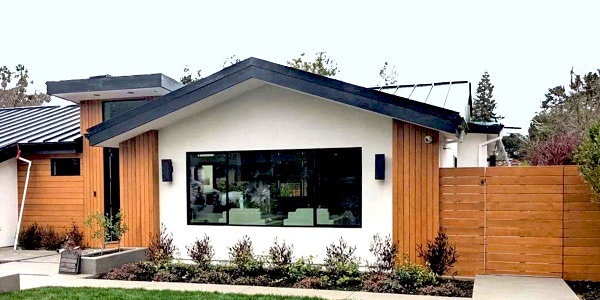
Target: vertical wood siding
(51,200)
(138,167)
(92,166)
(415,188)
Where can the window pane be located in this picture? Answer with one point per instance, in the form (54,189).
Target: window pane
(65,167)
(112,109)
(207,179)
(339,189)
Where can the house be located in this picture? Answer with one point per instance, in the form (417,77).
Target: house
(256,149)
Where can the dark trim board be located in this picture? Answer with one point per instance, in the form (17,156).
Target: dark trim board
(109,83)
(399,108)
(9,152)
(480,128)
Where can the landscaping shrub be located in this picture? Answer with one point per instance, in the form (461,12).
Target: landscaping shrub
(385,252)
(165,276)
(312,283)
(340,258)
(413,275)
(161,249)
(139,271)
(303,268)
(183,272)
(383,283)
(51,240)
(31,237)
(557,149)
(214,276)
(587,158)
(280,255)
(439,254)
(447,289)
(201,251)
(261,280)
(242,257)
(75,235)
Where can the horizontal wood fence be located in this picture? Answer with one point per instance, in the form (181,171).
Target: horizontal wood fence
(521,220)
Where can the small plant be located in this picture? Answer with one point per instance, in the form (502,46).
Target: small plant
(51,240)
(302,268)
(340,258)
(280,255)
(201,251)
(414,275)
(439,254)
(161,249)
(31,237)
(105,227)
(385,252)
(75,235)
(241,254)
(312,283)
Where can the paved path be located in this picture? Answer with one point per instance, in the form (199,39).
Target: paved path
(492,287)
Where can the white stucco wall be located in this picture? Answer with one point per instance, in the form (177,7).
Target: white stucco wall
(447,153)
(271,118)
(8,202)
(468,151)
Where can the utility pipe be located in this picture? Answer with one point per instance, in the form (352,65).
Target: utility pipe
(24,194)
(499,138)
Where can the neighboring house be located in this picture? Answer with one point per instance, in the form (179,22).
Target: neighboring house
(256,149)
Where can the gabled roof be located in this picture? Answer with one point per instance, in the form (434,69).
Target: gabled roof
(44,128)
(116,129)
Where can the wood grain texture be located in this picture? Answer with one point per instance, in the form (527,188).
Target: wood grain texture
(92,163)
(415,188)
(55,201)
(138,167)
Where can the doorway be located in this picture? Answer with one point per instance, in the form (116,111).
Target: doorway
(112,199)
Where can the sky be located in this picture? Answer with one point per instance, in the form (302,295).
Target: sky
(526,46)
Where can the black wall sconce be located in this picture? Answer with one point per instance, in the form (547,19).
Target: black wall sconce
(167,170)
(379,166)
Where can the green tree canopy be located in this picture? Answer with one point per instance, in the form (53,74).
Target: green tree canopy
(322,64)
(484,106)
(16,95)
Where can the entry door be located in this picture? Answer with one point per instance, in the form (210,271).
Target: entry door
(112,200)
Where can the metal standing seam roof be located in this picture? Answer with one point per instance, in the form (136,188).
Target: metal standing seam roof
(39,125)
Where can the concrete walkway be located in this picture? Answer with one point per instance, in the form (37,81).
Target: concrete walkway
(492,287)
(40,268)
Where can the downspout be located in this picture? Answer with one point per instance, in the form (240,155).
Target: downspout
(499,138)
(24,194)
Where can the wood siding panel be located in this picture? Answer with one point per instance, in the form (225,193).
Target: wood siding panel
(56,201)
(138,167)
(92,163)
(415,167)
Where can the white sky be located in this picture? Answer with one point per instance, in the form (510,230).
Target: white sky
(526,46)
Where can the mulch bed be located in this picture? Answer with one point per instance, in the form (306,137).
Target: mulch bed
(587,290)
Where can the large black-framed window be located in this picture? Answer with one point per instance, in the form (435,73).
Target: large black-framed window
(111,109)
(302,187)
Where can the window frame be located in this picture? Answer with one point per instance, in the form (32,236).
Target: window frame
(53,167)
(108,102)
(313,201)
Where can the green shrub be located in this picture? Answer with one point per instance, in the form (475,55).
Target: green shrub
(139,271)
(31,237)
(340,258)
(587,158)
(201,251)
(51,240)
(385,252)
(302,268)
(242,257)
(312,283)
(439,254)
(214,276)
(161,249)
(416,276)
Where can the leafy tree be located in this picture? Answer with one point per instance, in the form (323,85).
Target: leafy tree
(484,106)
(587,158)
(557,149)
(190,77)
(569,111)
(321,65)
(388,74)
(16,96)
(515,145)
(230,61)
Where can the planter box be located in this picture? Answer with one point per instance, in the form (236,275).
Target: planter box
(92,263)
(9,283)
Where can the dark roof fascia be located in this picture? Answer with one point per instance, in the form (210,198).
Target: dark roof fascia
(252,68)
(484,129)
(10,151)
(99,84)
